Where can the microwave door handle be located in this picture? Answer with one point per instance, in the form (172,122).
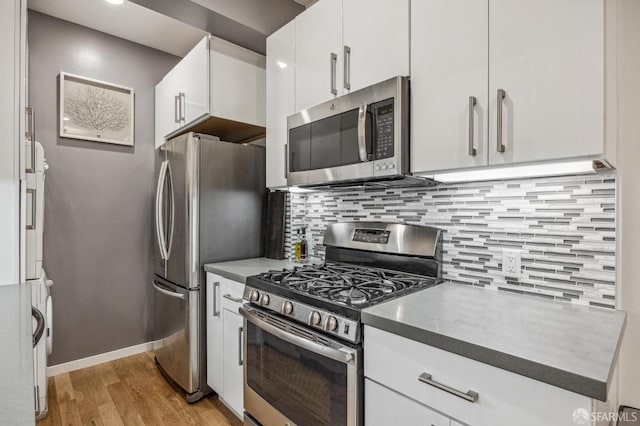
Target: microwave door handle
(362,136)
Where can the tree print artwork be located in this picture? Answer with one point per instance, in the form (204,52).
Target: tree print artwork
(95,111)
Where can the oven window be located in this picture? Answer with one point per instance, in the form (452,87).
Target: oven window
(306,387)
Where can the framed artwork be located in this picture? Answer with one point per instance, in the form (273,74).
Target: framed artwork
(95,110)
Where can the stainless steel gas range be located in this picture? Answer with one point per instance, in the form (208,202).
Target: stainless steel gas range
(303,335)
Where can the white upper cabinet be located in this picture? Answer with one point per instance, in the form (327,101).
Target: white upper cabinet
(280,99)
(375,41)
(543,62)
(193,76)
(215,79)
(318,50)
(548,58)
(450,71)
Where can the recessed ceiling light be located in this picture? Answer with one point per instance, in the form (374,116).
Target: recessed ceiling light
(281,64)
(115,1)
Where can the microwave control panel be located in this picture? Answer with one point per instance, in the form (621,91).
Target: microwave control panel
(384,129)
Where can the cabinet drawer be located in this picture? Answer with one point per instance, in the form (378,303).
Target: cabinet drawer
(231,294)
(503,397)
(385,407)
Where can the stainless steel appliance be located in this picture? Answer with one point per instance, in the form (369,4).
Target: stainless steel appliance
(208,208)
(361,136)
(302,331)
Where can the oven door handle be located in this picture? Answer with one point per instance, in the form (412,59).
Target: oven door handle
(338,353)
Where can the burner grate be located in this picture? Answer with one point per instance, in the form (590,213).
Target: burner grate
(346,284)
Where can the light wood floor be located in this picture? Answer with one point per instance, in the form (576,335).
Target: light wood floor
(128,391)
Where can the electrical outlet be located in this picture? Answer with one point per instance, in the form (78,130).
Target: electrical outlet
(512,263)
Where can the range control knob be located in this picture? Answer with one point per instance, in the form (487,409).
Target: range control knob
(254,296)
(315,318)
(264,301)
(331,323)
(287,308)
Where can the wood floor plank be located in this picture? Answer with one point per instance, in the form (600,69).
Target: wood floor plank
(69,414)
(123,404)
(109,414)
(97,387)
(53,415)
(64,388)
(87,407)
(138,389)
(108,374)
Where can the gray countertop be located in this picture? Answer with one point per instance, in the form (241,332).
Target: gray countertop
(239,270)
(16,356)
(566,345)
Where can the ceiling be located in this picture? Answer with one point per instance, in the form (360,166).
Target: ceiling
(175,26)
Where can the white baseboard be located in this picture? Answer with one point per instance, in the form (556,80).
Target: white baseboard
(98,359)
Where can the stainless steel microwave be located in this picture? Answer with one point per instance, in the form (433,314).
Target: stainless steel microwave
(360,136)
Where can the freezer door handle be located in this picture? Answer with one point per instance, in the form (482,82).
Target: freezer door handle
(167,292)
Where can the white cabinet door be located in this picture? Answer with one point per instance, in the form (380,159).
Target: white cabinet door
(376,32)
(280,100)
(548,57)
(192,73)
(449,74)
(318,37)
(215,353)
(385,407)
(233,378)
(166,108)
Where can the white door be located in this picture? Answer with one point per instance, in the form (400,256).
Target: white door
(375,41)
(548,58)
(193,76)
(449,75)
(384,407)
(167,107)
(318,53)
(280,100)
(233,378)
(215,352)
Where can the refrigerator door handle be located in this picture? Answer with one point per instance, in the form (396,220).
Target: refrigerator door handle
(167,292)
(172,217)
(159,207)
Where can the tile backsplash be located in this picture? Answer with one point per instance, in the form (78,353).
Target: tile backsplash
(564,226)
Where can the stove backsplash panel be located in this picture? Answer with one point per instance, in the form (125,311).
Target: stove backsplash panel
(564,226)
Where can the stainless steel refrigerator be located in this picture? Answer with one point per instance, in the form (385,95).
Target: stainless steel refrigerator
(208,208)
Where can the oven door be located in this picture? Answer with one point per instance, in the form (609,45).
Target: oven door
(294,376)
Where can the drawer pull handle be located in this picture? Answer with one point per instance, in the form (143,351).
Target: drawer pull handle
(233,299)
(469,395)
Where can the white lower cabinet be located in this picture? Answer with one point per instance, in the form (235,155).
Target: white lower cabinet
(384,407)
(503,398)
(224,340)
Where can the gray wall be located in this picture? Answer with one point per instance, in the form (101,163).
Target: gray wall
(98,228)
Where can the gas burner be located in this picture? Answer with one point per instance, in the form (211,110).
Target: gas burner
(347,285)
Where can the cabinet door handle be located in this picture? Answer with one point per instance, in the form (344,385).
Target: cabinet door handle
(346,57)
(216,309)
(469,395)
(176,108)
(30,133)
(501,95)
(32,193)
(240,330)
(286,162)
(233,299)
(472,113)
(183,107)
(333,64)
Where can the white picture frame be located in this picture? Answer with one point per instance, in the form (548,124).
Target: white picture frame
(95,110)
